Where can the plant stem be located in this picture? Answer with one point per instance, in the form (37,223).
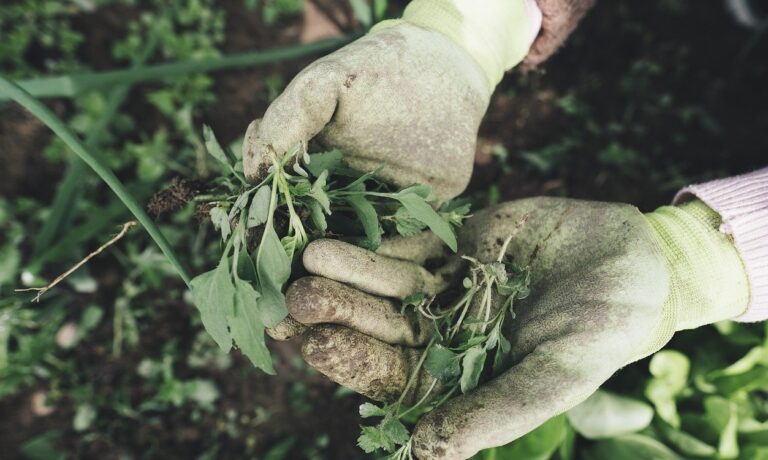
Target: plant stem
(415,372)
(42,112)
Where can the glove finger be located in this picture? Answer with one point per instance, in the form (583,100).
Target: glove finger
(297,115)
(417,249)
(368,271)
(363,364)
(286,329)
(556,376)
(316,300)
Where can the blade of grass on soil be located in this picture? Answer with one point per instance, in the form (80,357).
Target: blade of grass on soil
(71,85)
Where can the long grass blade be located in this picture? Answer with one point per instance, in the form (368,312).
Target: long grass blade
(71,85)
(29,102)
(70,187)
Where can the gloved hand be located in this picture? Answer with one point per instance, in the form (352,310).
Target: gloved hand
(409,95)
(609,285)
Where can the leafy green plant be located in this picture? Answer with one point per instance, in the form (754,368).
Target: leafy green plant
(244,293)
(465,336)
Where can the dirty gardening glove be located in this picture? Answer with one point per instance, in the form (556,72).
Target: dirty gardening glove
(609,285)
(409,95)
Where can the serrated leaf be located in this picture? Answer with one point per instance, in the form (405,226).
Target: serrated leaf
(212,145)
(258,212)
(406,224)
(421,210)
(214,295)
(372,439)
(326,161)
(247,328)
(371,410)
(472,366)
(394,430)
(442,364)
(368,217)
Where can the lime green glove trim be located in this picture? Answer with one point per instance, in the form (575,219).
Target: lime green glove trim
(496,33)
(709,280)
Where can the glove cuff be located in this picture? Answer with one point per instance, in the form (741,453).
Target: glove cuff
(497,35)
(709,280)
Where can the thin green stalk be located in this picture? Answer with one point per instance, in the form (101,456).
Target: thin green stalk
(69,189)
(71,85)
(29,102)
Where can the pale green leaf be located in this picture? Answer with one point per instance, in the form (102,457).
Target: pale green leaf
(472,366)
(214,295)
(605,415)
(258,212)
(213,146)
(247,327)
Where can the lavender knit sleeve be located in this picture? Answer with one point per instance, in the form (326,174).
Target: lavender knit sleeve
(742,202)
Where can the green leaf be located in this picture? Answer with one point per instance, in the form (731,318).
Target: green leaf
(326,161)
(368,217)
(631,447)
(670,376)
(605,415)
(318,192)
(372,439)
(394,430)
(220,220)
(422,211)
(686,443)
(406,224)
(539,444)
(213,146)
(214,295)
(318,215)
(371,410)
(724,418)
(472,366)
(258,212)
(442,364)
(273,267)
(247,328)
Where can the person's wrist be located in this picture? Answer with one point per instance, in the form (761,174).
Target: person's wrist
(708,278)
(497,36)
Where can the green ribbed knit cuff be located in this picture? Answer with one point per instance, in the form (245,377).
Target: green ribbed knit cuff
(709,281)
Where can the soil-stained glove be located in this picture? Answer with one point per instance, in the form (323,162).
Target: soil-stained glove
(409,95)
(609,285)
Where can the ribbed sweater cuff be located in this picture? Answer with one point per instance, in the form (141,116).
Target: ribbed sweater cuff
(742,202)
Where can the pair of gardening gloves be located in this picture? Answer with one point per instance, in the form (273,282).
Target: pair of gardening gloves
(609,285)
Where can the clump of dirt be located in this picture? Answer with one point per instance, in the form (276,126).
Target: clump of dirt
(176,196)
